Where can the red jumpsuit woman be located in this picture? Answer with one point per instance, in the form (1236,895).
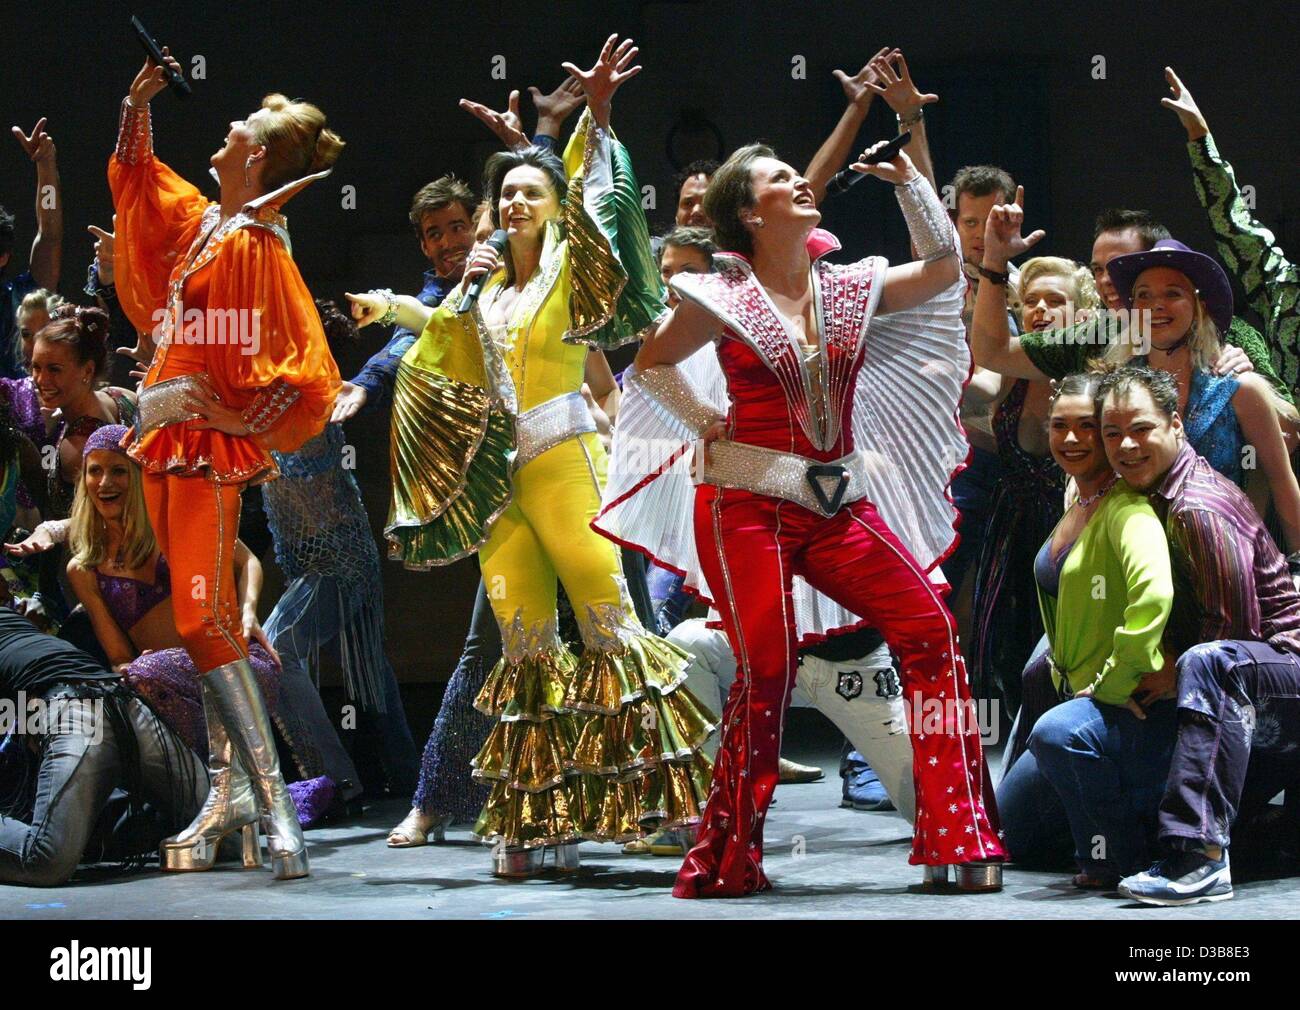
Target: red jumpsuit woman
(834,420)
(241,368)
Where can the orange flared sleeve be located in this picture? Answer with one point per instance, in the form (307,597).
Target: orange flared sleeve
(279,370)
(158,217)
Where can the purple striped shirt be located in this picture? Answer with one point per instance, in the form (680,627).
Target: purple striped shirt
(1224,562)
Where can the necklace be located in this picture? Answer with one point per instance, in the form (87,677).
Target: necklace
(1092,500)
(1177,345)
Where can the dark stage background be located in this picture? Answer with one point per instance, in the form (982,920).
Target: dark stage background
(1015,81)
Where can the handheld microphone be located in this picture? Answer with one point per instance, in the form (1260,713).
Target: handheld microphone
(841,181)
(175,81)
(497,242)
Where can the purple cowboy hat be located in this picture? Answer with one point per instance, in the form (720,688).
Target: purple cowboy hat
(1203,271)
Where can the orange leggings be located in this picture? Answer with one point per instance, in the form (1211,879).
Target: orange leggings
(196,521)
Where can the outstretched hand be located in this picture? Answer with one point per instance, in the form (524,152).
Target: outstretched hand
(855,87)
(104,247)
(367,307)
(1184,106)
(1002,239)
(555,108)
(348,403)
(37,542)
(612,68)
(507,125)
(893,82)
(39,145)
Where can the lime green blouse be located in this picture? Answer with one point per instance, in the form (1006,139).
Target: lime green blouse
(1114,599)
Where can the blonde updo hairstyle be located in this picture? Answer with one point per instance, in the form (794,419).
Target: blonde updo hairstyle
(297,141)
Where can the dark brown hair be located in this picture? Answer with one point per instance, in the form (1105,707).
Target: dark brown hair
(981,180)
(730,191)
(84,329)
(1148,228)
(442,192)
(1121,380)
(683,237)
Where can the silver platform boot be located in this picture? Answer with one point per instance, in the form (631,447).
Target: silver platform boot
(230,806)
(567,859)
(242,711)
(971,878)
(516,862)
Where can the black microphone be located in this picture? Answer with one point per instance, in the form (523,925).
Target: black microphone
(841,181)
(467,300)
(175,81)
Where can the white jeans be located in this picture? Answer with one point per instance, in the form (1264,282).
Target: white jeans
(868,709)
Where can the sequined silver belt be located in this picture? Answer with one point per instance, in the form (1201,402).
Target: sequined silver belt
(163,403)
(817,486)
(548,424)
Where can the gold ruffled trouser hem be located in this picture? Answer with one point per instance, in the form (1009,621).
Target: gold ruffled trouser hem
(605,748)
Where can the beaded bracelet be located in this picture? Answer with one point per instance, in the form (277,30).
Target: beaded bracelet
(390,316)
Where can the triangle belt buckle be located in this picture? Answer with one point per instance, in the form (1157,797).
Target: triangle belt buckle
(823,475)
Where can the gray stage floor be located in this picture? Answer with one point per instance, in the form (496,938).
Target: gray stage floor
(825,862)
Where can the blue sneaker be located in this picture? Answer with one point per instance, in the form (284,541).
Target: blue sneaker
(862,788)
(1183,878)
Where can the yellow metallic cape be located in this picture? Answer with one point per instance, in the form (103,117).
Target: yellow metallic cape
(453,439)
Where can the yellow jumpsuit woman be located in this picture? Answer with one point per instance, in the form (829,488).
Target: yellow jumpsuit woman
(494,451)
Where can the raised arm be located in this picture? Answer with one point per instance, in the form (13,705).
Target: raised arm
(1250,251)
(157,212)
(47,246)
(615,292)
(992,344)
(611,70)
(555,108)
(893,82)
(937,266)
(385,308)
(835,150)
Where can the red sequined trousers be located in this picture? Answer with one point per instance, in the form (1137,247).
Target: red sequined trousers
(750,547)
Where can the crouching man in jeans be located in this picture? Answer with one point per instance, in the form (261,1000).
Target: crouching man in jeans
(1236,630)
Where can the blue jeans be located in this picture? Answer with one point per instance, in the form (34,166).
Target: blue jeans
(81,764)
(1091,780)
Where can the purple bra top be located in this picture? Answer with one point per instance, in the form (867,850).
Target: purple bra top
(129,599)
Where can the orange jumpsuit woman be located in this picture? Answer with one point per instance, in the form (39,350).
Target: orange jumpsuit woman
(241,367)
